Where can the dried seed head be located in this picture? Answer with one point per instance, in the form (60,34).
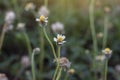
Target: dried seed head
(43,11)
(25,61)
(3,76)
(9,17)
(64,63)
(57,27)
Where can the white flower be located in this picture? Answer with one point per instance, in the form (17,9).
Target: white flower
(42,20)
(60,39)
(20,26)
(9,17)
(57,27)
(43,11)
(29,6)
(107,52)
(3,76)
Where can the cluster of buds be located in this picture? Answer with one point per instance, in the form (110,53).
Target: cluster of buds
(64,63)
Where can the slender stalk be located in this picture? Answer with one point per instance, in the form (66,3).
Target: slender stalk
(2,36)
(46,3)
(66,76)
(42,50)
(50,43)
(33,66)
(92,26)
(28,44)
(106,67)
(59,74)
(57,68)
(105,31)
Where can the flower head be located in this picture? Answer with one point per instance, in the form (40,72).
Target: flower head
(107,52)
(43,11)
(64,63)
(25,61)
(3,76)
(29,6)
(60,39)
(43,20)
(9,17)
(20,26)
(57,27)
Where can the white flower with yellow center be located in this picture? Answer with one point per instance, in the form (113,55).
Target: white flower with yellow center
(107,52)
(60,39)
(43,20)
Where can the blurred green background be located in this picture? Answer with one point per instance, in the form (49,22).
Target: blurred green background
(74,14)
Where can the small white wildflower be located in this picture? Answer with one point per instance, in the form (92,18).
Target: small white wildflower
(99,35)
(57,27)
(20,26)
(60,39)
(9,17)
(43,11)
(29,6)
(107,52)
(42,20)
(25,61)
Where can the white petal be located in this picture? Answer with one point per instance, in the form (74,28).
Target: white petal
(37,19)
(58,35)
(63,37)
(55,39)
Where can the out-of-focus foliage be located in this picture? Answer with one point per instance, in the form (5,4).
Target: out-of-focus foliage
(78,48)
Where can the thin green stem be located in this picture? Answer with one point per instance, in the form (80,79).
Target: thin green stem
(2,36)
(66,76)
(33,66)
(50,43)
(106,68)
(46,3)
(42,50)
(59,74)
(105,31)
(57,68)
(92,26)
(28,43)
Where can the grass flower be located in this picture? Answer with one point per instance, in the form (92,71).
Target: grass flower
(60,39)
(107,52)
(64,63)
(43,20)
(57,27)
(29,6)
(43,11)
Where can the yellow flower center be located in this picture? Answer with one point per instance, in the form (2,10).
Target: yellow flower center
(107,50)
(42,18)
(60,39)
